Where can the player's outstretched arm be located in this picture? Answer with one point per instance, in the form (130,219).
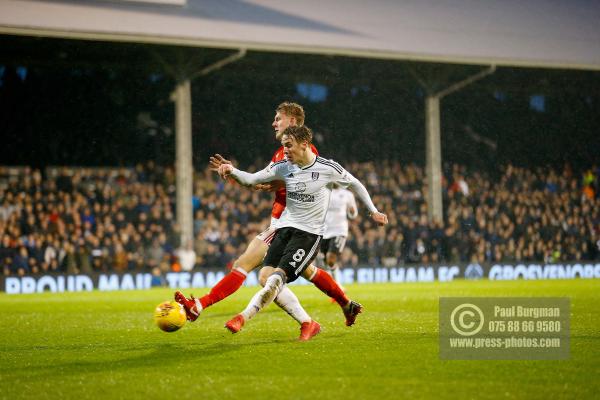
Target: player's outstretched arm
(217,160)
(215,163)
(245,178)
(361,191)
(346,178)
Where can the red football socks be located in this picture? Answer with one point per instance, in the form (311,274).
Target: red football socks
(225,287)
(327,285)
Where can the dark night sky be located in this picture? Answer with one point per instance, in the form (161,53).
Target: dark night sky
(93,103)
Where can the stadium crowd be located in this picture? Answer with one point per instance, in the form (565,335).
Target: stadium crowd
(81,220)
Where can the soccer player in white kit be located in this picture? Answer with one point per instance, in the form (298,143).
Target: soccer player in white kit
(342,206)
(287,114)
(308,180)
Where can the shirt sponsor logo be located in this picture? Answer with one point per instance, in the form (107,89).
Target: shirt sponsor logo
(300,187)
(304,198)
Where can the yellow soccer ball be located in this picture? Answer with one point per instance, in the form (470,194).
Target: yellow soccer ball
(169,316)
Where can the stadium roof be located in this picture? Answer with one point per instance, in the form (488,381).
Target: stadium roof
(533,33)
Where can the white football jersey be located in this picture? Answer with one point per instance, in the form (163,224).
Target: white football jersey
(336,220)
(308,190)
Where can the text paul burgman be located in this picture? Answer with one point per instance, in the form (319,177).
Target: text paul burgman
(527,312)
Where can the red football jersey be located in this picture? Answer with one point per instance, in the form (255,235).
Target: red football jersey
(279,203)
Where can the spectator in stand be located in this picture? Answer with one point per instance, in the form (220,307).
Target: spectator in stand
(186,256)
(120,258)
(391,252)
(154,253)
(20,265)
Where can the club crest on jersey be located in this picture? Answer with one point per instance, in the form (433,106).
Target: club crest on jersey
(300,187)
(315,176)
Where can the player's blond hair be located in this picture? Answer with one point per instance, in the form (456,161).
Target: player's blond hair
(292,110)
(299,133)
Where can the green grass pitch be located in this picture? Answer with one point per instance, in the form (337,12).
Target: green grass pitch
(104,345)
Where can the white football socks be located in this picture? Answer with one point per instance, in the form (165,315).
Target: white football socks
(263,297)
(288,301)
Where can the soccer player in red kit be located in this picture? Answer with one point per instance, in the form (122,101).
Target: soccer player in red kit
(286,114)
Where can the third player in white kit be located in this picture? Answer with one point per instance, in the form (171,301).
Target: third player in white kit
(342,206)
